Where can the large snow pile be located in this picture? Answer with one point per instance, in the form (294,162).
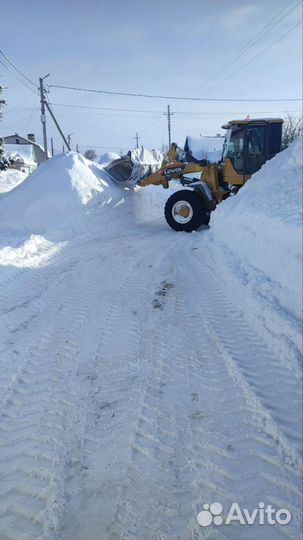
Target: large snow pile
(259,233)
(55,196)
(9,179)
(209,148)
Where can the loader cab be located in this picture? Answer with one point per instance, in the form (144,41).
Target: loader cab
(248,145)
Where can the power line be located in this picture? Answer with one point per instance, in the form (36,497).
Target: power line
(260,34)
(244,113)
(103,111)
(69,105)
(264,31)
(16,77)
(105,108)
(251,60)
(17,69)
(257,55)
(152,96)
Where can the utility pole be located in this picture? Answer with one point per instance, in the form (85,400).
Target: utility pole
(77,148)
(169,114)
(52,146)
(69,139)
(43,115)
(57,124)
(137,139)
(63,149)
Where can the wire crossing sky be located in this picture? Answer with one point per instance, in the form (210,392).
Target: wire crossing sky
(104,58)
(111,92)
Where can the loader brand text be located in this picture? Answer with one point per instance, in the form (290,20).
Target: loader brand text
(214,514)
(174,170)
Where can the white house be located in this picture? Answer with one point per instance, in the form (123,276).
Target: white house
(24,153)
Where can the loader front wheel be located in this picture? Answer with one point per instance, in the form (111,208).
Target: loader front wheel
(184,211)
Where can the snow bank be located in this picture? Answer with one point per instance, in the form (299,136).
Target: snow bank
(259,232)
(56,196)
(9,179)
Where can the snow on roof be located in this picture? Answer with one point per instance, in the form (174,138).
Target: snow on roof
(21,152)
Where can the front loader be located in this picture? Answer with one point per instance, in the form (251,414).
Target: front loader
(248,145)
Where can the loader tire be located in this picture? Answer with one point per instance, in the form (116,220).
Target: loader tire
(185,211)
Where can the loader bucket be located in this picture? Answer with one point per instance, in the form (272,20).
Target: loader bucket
(121,170)
(130,169)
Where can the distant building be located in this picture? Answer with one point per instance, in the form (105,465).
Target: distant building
(24,153)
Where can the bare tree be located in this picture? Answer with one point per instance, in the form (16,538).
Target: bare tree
(90,154)
(292,129)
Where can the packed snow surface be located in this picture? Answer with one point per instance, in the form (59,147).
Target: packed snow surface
(145,373)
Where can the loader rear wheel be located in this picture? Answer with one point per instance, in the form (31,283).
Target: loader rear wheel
(185,211)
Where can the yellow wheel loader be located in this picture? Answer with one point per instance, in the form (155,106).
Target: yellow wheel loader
(248,145)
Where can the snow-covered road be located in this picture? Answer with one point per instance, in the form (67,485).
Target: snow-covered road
(133,391)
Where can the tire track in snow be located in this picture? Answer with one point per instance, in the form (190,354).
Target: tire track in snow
(154,439)
(161,422)
(37,421)
(168,425)
(271,452)
(156,453)
(117,381)
(250,363)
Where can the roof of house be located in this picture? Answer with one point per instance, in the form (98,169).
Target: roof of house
(24,140)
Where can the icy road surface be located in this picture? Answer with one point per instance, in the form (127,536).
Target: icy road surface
(133,391)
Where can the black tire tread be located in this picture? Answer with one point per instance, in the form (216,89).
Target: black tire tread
(200,215)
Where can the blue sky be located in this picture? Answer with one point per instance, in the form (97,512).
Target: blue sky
(156,47)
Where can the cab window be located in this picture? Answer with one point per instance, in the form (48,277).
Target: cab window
(256,151)
(234,148)
(256,140)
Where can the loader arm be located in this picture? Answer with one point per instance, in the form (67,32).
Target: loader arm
(174,170)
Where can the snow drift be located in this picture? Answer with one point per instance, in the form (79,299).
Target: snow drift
(56,196)
(258,233)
